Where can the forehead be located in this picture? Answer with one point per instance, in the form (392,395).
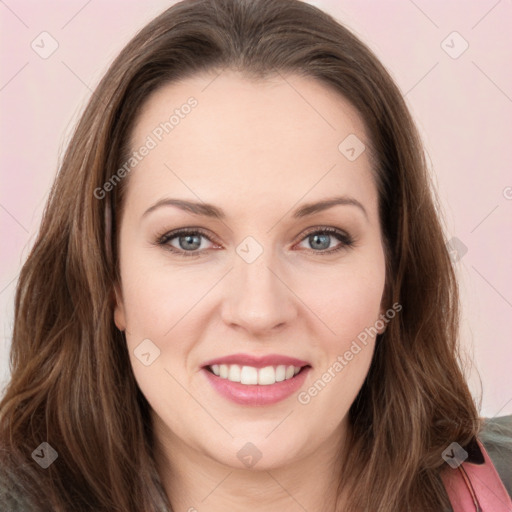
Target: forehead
(278,136)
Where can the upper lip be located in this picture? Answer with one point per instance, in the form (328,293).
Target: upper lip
(257,361)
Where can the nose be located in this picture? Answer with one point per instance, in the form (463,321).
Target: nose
(258,298)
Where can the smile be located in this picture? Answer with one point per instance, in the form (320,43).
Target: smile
(254,380)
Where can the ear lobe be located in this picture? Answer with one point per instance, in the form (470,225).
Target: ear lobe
(119,313)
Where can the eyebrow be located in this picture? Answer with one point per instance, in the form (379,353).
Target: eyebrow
(209,210)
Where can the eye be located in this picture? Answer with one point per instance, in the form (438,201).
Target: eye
(184,242)
(320,240)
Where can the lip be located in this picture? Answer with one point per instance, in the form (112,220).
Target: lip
(257,361)
(256,395)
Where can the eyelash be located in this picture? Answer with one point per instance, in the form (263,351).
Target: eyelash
(164,239)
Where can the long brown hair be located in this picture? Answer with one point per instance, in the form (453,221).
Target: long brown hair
(72,384)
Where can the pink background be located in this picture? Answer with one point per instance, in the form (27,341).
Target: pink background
(463,107)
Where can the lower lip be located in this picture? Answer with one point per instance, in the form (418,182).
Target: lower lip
(244,394)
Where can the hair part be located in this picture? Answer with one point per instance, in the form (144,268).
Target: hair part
(72,384)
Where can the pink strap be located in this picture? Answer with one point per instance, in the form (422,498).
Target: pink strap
(476,487)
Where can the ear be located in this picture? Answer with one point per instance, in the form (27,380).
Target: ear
(119,312)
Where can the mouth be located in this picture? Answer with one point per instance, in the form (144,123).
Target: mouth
(250,380)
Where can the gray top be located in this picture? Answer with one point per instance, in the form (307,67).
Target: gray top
(496,436)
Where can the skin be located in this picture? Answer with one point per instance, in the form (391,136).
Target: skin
(259,151)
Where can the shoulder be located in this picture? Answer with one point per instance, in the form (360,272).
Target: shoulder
(12,498)
(496,436)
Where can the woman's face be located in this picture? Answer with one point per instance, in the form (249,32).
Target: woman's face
(255,171)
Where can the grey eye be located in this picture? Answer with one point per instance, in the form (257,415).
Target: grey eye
(189,242)
(319,241)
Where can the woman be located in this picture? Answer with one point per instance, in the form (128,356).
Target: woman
(240,296)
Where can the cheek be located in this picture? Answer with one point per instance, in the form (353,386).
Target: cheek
(156,305)
(157,297)
(351,304)
(347,300)
(351,307)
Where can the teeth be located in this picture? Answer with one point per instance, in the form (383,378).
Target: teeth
(250,376)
